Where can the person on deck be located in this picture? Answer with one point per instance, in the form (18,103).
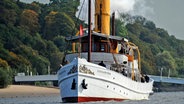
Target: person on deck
(146,78)
(102,64)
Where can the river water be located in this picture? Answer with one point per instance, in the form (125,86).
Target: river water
(156,98)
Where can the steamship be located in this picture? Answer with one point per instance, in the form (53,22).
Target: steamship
(106,68)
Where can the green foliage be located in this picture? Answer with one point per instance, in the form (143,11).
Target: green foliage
(157,48)
(150,25)
(9,4)
(162,33)
(8,16)
(29,21)
(180,66)
(120,28)
(154,49)
(166,61)
(43,84)
(35,6)
(56,61)
(24,30)
(3,63)
(4,78)
(149,37)
(62,5)
(60,42)
(40,64)
(57,21)
(146,68)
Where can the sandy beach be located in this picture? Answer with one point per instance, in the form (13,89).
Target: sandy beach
(14,91)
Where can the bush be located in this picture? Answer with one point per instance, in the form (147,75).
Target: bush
(4,78)
(45,84)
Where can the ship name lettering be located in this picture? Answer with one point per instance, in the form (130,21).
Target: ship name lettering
(104,72)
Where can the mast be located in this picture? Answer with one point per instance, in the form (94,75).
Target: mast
(89,31)
(113,23)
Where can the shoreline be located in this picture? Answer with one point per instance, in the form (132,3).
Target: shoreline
(14,91)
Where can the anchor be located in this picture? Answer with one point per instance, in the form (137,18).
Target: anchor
(73,85)
(84,85)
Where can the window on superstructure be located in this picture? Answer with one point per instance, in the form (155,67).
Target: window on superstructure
(94,47)
(102,48)
(84,47)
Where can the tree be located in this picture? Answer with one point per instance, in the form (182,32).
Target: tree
(149,37)
(3,63)
(36,7)
(29,21)
(39,44)
(4,79)
(40,64)
(60,22)
(146,68)
(150,25)
(55,1)
(59,41)
(180,66)
(154,49)
(120,29)
(180,48)
(9,4)
(56,61)
(162,33)
(7,16)
(166,61)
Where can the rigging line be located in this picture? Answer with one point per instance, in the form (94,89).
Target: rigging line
(85,12)
(81,8)
(109,43)
(79,30)
(76,21)
(94,3)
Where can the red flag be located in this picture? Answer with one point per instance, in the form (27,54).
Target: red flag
(81,30)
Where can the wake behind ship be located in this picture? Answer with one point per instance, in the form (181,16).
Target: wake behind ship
(113,69)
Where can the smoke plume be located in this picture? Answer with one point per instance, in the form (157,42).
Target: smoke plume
(132,7)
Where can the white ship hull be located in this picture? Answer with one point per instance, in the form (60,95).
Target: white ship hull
(81,81)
